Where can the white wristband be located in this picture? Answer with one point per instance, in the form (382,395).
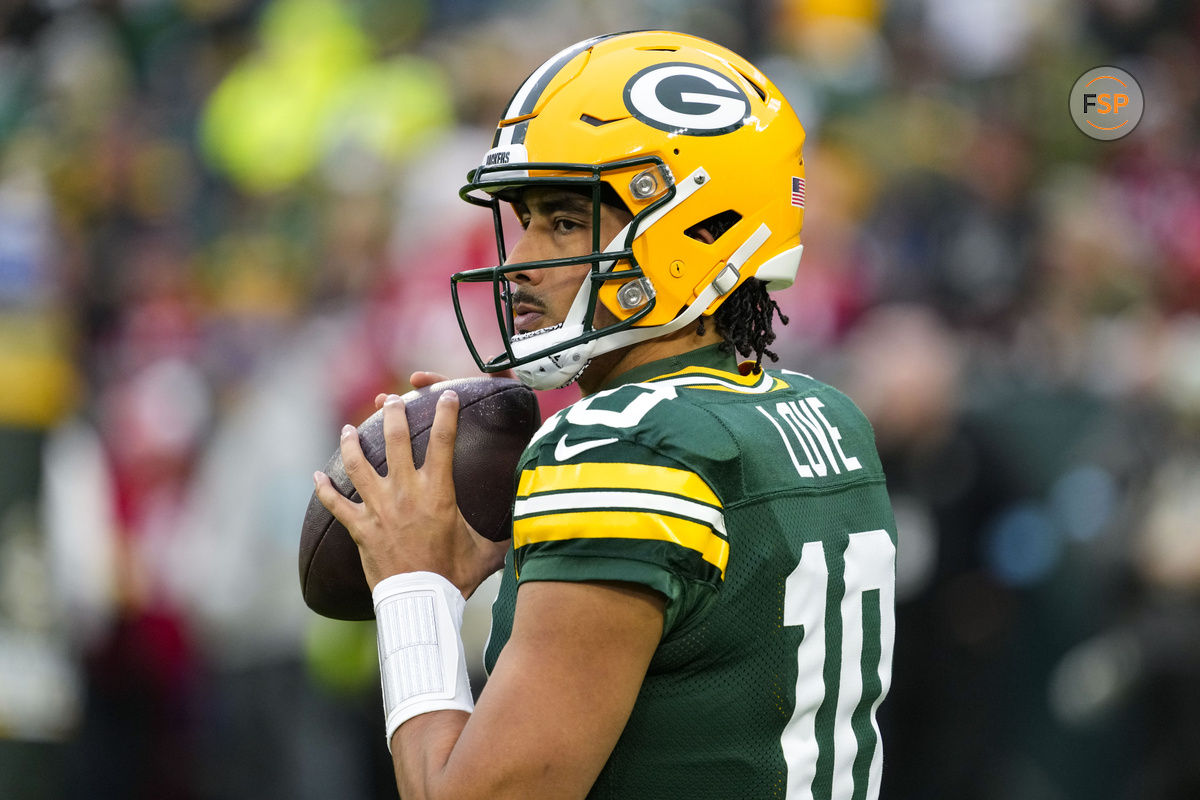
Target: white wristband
(421,661)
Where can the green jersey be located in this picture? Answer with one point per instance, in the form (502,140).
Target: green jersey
(756,504)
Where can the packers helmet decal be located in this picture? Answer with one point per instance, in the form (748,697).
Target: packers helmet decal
(680,132)
(687,99)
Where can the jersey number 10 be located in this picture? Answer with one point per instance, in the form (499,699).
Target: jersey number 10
(831,745)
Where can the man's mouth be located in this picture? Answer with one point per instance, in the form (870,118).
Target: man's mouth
(528,314)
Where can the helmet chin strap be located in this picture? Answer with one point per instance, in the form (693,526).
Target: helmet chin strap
(565,363)
(560,368)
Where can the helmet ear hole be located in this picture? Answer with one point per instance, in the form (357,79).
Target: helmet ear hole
(714,227)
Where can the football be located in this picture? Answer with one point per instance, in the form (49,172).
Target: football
(497,418)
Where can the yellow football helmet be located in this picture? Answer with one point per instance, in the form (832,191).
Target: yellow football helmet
(681,131)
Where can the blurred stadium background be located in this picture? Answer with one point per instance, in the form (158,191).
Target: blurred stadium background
(226,224)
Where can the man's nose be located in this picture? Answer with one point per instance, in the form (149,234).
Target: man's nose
(524,250)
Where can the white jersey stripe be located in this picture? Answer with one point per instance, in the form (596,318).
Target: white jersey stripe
(625,501)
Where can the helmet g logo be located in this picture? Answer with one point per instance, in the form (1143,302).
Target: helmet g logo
(686,99)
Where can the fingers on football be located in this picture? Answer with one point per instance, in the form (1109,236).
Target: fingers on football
(439,455)
(422,378)
(358,468)
(396,436)
(333,500)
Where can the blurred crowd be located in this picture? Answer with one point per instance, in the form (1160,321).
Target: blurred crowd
(226,224)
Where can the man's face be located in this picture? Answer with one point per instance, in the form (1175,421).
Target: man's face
(558,224)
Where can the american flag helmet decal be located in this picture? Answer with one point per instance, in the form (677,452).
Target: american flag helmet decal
(798,192)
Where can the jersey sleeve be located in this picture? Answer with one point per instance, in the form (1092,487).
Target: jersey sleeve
(620,511)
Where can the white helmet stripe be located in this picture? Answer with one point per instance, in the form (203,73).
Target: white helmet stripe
(526,97)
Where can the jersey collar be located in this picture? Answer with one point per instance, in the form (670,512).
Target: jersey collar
(710,356)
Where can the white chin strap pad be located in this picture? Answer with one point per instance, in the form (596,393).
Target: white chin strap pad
(555,370)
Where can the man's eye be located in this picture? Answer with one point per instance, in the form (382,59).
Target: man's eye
(563,225)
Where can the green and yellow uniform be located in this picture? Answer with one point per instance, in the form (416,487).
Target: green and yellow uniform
(756,504)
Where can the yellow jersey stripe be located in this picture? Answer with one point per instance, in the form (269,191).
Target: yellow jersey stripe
(642,525)
(594,475)
(720,380)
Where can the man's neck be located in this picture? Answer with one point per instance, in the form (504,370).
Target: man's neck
(605,368)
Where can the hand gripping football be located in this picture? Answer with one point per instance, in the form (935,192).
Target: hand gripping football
(497,418)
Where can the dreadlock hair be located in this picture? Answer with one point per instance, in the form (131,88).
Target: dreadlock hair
(746,319)
(746,322)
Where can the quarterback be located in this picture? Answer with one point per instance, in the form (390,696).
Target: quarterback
(697,600)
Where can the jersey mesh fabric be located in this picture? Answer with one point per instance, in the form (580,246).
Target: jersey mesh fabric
(722,685)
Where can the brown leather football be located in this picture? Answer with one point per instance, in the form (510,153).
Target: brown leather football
(497,418)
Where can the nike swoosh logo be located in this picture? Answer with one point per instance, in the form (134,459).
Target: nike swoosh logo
(565,452)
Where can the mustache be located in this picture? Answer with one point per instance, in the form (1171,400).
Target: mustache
(519,297)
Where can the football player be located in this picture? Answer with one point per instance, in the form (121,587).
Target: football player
(697,601)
